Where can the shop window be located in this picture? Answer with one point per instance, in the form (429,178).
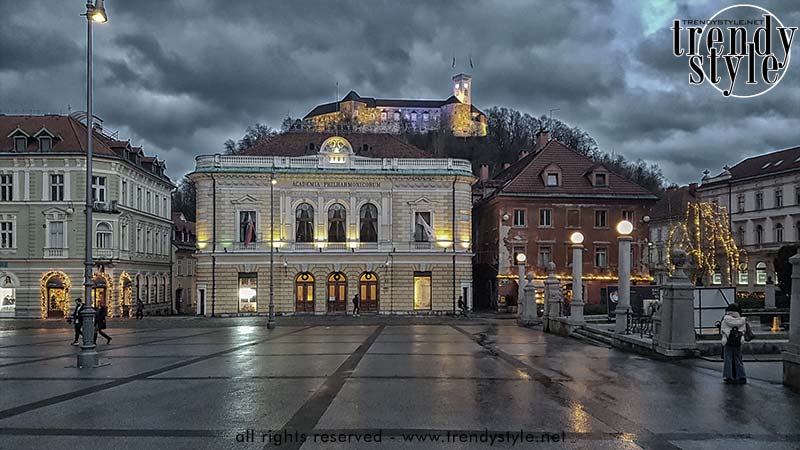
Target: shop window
(248,292)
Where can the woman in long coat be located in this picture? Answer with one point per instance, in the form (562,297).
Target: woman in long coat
(732,328)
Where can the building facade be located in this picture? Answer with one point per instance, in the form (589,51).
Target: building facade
(184,241)
(360,214)
(762,197)
(42,221)
(535,204)
(455,114)
(670,210)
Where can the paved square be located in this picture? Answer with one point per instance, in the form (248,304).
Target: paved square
(413,385)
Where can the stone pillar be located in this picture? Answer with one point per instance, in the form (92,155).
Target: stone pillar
(675,335)
(527,304)
(624,288)
(576,306)
(791,357)
(769,294)
(552,293)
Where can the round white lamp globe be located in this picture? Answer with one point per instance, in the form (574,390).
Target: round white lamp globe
(576,237)
(624,227)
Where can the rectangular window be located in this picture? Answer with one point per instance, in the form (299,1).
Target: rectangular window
(546,218)
(6,188)
(123,237)
(247,227)
(422,290)
(600,218)
(45,144)
(149,242)
(55,234)
(544,256)
(573,218)
(148,204)
(6,234)
(519,217)
(600,180)
(139,198)
(743,277)
(552,179)
(248,290)
(139,241)
(99,189)
(57,188)
(423,231)
(125,193)
(740,203)
(779,197)
(759,200)
(158,204)
(628,215)
(601,257)
(20,144)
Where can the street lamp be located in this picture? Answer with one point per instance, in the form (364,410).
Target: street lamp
(272,182)
(576,305)
(521,258)
(624,228)
(88,357)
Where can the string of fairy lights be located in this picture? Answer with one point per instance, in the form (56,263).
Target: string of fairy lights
(706,237)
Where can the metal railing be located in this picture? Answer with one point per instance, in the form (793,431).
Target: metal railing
(641,324)
(313,162)
(56,253)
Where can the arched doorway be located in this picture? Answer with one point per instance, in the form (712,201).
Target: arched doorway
(54,292)
(337,292)
(304,293)
(125,294)
(102,290)
(368,291)
(8,294)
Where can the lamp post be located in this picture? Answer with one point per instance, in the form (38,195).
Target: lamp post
(272,182)
(624,228)
(521,258)
(87,357)
(576,306)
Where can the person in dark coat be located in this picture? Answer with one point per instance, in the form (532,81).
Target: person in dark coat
(100,322)
(139,308)
(462,306)
(356,306)
(77,320)
(732,329)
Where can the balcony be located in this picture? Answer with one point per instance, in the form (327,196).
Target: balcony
(106,207)
(56,253)
(314,162)
(339,247)
(103,253)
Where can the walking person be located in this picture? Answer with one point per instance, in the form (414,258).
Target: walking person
(139,309)
(732,328)
(462,306)
(356,306)
(77,320)
(100,322)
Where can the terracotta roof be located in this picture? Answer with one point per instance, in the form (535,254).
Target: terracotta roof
(298,144)
(673,203)
(526,176)
(327,108)
(69,137)
(766,164)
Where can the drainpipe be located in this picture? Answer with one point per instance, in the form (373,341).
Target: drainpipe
(454,243)
(213,244)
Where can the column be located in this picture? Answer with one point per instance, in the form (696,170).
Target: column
(675,334)
(576,306)
(624,289)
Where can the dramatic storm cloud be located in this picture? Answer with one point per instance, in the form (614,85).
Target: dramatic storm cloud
(181,77)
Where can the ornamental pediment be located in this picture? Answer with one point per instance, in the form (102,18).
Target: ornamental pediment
(247,199)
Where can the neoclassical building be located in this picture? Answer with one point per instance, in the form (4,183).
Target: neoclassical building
(455,114)
(42,221)
(364,214)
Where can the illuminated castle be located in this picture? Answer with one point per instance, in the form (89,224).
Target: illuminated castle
(375,115)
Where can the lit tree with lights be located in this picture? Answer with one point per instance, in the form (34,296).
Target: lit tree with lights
(705,235)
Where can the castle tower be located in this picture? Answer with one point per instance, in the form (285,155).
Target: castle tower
(462,88)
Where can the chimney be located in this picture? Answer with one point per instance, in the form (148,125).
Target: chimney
(542,138)
(522,154)
(484,172)
(506,165)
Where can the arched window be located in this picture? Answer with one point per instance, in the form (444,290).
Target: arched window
(305,223)
(336,222)
(778,232)
(103,236)
(368,230)
(759,234)
(761,273)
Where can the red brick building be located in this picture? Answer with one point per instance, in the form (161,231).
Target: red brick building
(536,203)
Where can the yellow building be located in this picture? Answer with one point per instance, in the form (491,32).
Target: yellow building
(366,114)
(364,214)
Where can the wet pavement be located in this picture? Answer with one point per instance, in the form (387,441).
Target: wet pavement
(412,384)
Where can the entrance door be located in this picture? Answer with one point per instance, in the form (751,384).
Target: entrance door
(304,293)
(368,292)
(56,298)
(201,301)
(337,292)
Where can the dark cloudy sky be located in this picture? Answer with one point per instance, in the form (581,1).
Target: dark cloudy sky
(181,77)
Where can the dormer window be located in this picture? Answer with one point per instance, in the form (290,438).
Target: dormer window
(552,179)
(45,144)
(600,180)
(20,144)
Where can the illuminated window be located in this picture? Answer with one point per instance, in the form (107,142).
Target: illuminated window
(743,277)
(422,290)
(423,232)
(761,273)
(716,277)
(552,179)
(336,223)
(368,230)
(248,292)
